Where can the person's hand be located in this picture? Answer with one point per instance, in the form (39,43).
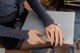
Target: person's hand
(34,38)
(54,34)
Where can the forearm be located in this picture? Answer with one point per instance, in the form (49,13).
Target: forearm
(40,11)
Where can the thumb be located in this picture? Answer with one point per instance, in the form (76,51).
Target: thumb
(40,33)
(41,40)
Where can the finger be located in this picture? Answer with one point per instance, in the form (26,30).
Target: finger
(47,32)
(56,37)
(41,40)
(61,34)
(40,33)
(52,36)
(61,37)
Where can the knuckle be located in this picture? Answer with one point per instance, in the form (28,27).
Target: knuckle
(29,33)
(36,31)
(52,29)
(56,42)
(49,30)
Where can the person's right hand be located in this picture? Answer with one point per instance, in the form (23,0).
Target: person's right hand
(34,38)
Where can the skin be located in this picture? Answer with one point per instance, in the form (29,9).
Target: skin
(50,30)
(37,43)
(34,42)
(33,38)
(54,34)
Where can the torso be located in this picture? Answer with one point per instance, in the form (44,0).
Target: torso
(8,7)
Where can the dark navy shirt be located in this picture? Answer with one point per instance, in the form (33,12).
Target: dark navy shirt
(8,7)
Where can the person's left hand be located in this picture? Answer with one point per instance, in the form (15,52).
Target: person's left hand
(54,34)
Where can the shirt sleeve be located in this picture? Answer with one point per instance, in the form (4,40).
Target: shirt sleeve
(41,12)
(13,33)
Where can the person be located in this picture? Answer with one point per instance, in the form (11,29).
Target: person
(26,39)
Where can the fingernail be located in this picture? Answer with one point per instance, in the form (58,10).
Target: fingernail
(52,44)
(60,44)
(55,45)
